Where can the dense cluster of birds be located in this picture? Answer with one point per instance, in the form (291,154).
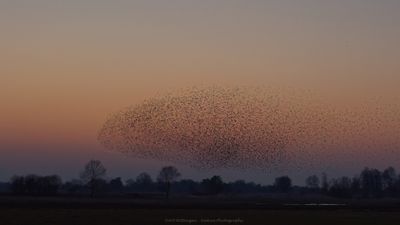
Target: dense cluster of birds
(244,127)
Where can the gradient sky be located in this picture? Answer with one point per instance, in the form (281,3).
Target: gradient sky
(66,65)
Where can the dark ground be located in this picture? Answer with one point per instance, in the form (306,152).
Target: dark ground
(201,210)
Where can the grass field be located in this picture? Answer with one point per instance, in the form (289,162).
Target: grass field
(193,216)
(84,211)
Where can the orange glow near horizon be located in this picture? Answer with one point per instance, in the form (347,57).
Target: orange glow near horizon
(65,66)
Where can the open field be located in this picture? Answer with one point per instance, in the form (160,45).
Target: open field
(48,216)
(108,211)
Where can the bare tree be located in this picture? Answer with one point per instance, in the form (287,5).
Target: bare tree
(283,184)
(168,175)
(371,182)
(389,176)
(312,182)
(36,185)
(214,185)
(144,182)
(93,172)
(18,184)
(324,182)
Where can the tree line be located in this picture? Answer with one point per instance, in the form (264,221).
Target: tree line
(370,183)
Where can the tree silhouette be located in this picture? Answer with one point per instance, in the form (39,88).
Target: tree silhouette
(389,177)
(324,183)
(214,185)
(371,182)
(116,185)
(92,174)
(144,182)
(36,185)
(18,184)
(283,184)
(73,186)
(356,185)
(186,186)
(341,187)
(312,182)
(241,186)
(168,175)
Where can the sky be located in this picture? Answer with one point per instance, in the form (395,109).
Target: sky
(65,66)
